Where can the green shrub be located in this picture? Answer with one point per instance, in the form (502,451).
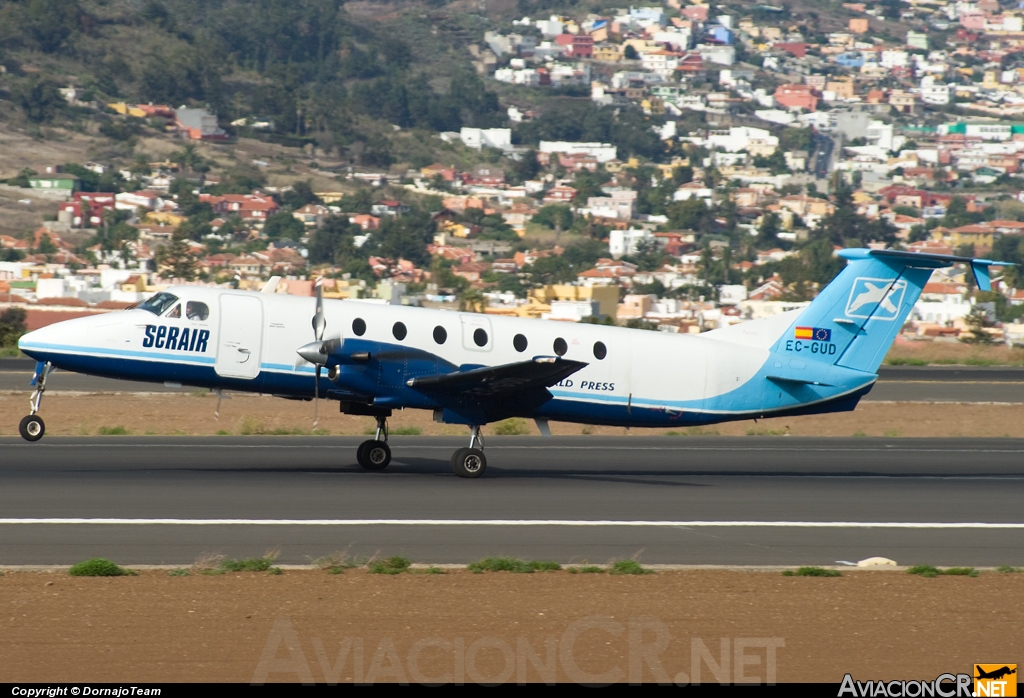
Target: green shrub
(585,569)
(961,571)
(627,567)
(512,427)
(924,570)
(249,564)
(511,564)
(180,572)
(99,567)
(1007,569)
(112,431)
(812,572)
(391,565)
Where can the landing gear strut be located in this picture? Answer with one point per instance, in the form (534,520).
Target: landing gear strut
(375,454)
(470,462)
(32,427)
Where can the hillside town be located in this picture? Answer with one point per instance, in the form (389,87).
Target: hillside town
(771,143)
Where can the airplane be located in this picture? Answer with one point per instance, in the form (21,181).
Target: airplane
(995,673)
(473,369)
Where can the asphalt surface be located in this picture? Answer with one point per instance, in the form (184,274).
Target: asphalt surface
(672,500)
(895,383)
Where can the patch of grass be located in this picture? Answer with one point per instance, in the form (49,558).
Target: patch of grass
(221,432)
(248,564)
(337,563)
(405,431)
(929,571)
(585,569)
(511,564)
(180,572)
(199,393)
(429,570)
(892,433)
(859,434)
(391,565)
(1007,569)
(112,431)
(961,571)
(628,567)
(902,361)
(512,427)
(812,572)
(99,567)
(274,570)
(587,430)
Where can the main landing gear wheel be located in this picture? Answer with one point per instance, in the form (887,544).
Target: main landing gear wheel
(373,455)
(32,428)
(469,462)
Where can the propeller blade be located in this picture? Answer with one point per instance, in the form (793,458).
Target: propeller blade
(319,319)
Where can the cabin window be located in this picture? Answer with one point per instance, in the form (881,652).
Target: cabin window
(520,343)
(560,347)
(399,331)
(194,310)
(600,350)
(359,327)
(440,335)
(480,337)
(175,311)
(159,303)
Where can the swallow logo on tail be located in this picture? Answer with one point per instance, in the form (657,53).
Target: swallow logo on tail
(879,299)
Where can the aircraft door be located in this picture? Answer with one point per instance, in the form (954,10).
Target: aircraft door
(239,342)
(476,332)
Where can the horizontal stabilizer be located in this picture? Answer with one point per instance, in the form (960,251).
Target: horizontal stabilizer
(935,261)
(499,381)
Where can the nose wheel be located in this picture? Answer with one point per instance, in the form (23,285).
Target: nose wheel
(375,453)
(32,427)
(470,462)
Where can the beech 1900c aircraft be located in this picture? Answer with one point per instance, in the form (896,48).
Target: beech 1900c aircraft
(473,369)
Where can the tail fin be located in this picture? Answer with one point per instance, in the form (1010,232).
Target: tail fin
(855,319)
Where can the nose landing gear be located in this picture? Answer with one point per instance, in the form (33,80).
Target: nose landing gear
(32,426)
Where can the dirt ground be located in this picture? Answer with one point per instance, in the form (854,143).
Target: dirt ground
(314,626)
(80,414)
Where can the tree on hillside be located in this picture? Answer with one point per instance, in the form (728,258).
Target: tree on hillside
(12,326)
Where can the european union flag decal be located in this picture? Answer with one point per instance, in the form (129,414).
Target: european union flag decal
(818,334)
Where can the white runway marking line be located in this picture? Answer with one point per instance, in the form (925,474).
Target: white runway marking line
(514,522)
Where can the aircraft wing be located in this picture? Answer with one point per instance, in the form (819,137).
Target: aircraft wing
(505,381)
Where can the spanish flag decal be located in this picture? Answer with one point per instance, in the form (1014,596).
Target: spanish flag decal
(817,334)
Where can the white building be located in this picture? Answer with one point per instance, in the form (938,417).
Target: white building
(478,138)
(602,152)
(624,242)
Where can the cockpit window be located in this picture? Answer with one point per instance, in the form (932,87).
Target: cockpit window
(175,312)
(159,303)
(194,310)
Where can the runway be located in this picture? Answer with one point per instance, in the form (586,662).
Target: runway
(895,383)
(670,500)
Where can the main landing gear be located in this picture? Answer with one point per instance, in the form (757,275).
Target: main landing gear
(32,427)
(470,462)
(375,454)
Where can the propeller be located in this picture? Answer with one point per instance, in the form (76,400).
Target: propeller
(317,351)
